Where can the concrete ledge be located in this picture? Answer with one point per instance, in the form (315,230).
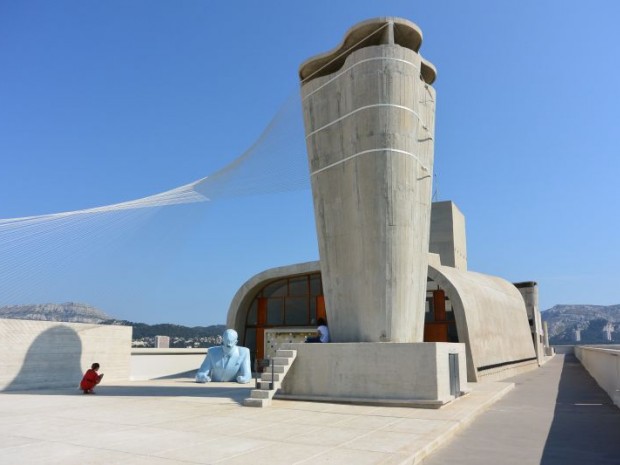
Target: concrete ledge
(367,401)
(369,372)
(507,371)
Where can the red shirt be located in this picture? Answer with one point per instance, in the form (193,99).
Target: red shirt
(90,379)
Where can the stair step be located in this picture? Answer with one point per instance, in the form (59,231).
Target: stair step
(264,385)
(285,353)
(261,394)
(267,377)
(250,402)
(261,397)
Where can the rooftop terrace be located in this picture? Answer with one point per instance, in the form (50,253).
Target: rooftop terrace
(554,415)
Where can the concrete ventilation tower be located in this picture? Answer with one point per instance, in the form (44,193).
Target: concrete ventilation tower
(369,112)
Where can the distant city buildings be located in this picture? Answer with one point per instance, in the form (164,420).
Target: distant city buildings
(177,342)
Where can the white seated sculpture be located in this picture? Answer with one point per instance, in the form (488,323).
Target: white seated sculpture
(227,362)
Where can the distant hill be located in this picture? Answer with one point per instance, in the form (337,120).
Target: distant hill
(143,330)
(70,312)
(590,320)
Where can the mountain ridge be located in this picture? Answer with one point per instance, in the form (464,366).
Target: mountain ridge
(74,312)
(590,320)
(563,321)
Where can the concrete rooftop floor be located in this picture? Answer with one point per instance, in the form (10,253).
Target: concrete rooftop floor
(176,421)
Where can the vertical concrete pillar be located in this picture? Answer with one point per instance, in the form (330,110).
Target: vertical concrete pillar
(546,338)
(369,113)
(529,292)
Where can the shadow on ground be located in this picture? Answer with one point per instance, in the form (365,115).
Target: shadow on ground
(586,424)
(172,388)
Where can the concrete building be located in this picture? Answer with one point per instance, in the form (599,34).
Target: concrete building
(393,267)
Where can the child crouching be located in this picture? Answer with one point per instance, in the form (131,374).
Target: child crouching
(91,379)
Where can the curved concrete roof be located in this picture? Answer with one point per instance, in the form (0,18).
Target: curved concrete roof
(489,311)
(490,317)
(365,34)
(246,293)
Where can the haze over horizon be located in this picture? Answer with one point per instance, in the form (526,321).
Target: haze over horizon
(108,102)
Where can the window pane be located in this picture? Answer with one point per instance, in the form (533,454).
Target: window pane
(276,289)
(315,285)
(298,286)
(275,311)
(313,311)
(297,311)
(250,339)
(429,312)
(252,313)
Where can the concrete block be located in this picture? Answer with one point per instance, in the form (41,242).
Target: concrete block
(374,372)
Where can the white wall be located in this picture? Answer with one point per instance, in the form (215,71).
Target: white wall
(47,354)
(160,363)
(604,366)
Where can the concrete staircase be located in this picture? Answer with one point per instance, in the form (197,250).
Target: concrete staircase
(262,395)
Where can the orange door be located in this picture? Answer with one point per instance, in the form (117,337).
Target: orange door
(320,308)
(437,330)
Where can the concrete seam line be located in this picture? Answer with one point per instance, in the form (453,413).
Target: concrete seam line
(374,105)
(386,149)
(353,66)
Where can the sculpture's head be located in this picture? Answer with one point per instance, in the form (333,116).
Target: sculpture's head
(229,340)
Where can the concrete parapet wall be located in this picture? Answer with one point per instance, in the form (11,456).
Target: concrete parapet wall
(164,363)
(564,349)
(46,354)
(604,366)
(374,372)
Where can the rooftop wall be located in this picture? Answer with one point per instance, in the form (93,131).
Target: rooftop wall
(165,363)
(46,354)
(603,364)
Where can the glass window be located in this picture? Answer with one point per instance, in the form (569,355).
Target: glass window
(453,335)
(252,313)
(298,286)
(250,338)
(316,287)
(296,310)
(275,311)
(429,314)
(276,289)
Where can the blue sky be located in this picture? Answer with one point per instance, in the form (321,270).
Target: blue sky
(102,102)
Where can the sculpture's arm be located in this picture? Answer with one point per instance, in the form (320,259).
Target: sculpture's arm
(244,375)
(203,372)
